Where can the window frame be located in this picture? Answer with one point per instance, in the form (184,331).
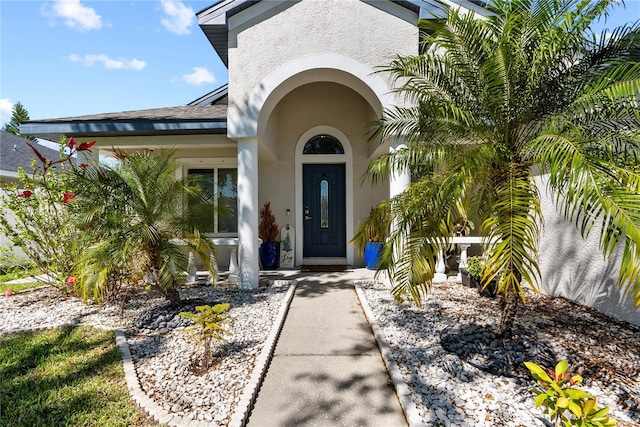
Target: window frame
(214,164)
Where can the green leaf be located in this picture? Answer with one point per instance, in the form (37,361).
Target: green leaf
(576,394)
(538,372)
(561,367)
(563,402)
(540,399)
(575,409)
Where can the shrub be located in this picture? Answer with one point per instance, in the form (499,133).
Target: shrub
(38,214)
(564,404)
(268,228)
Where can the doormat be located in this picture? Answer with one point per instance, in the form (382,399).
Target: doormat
(322,268)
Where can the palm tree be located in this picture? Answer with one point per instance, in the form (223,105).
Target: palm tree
(144,222)
(531,86)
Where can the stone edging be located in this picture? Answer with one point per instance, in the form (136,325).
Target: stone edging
(248,396)
(402,389)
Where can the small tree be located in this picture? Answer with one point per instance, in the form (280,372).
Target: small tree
(37,215)
(490,98)
(19,115)
(207,327)
(143,223)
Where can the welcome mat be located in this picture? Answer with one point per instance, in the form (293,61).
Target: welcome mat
(322,268)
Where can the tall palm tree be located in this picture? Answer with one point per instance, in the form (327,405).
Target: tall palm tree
(144,222)
(531,86)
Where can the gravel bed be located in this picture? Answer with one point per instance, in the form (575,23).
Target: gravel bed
(459,374)
(165,357)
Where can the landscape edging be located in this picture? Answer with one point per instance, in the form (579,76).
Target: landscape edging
(239,417)
(411,413)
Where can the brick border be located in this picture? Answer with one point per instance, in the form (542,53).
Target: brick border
(402,389)
(248,396)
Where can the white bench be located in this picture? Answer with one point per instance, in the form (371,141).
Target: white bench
(233,258)
(232,242)
(464,243)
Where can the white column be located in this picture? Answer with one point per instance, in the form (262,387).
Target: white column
(248,213)
(399,180)
(463,257)
(440,275)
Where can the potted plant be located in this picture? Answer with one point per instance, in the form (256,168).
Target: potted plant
(269,232)
(371,235)
(472,276)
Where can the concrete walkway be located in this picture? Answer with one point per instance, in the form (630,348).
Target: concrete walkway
(326,369)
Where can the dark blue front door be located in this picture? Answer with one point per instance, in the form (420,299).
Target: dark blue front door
(324,213)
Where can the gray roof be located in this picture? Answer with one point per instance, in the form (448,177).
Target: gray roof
(15,153)
(184,120)
(215,97)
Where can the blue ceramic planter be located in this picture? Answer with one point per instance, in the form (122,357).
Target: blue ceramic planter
(270,255)
(372,253)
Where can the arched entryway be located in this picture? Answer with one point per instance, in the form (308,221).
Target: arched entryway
(324,197)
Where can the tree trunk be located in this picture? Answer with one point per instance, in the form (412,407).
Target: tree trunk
(173,296)
(509,305)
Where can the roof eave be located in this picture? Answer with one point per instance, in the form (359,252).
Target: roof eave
(112,128)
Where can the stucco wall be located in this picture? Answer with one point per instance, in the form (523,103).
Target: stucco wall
(575,268)
(350,28)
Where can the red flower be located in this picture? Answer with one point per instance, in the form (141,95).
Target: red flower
(8,292)
(67,197)
(25,193)
(85,146)
(72,143)
(71,280)
(83,165)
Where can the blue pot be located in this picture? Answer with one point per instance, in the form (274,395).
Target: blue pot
(372,253)
(270,255)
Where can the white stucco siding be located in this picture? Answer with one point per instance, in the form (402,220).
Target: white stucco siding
(349,28)
(309,106)
(575,268)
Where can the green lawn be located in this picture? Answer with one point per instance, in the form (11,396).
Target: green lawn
(12,273)
(64,377)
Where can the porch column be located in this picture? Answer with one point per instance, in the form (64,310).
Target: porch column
(399,180)
(248,213)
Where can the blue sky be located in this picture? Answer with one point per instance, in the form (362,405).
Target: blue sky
(72,57)
(76,57)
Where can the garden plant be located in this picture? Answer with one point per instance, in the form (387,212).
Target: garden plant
(564,403)
(489,101)
(207,327)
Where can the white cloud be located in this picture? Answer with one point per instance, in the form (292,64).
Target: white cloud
(76,15)
(109,63)
(199,76)
(177,18)
(6,110)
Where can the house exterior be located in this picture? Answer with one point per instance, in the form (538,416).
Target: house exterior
(290,128)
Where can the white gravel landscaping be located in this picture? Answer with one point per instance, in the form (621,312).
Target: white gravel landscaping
(469,384)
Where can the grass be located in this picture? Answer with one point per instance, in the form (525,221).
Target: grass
(64,377)
(18,272)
